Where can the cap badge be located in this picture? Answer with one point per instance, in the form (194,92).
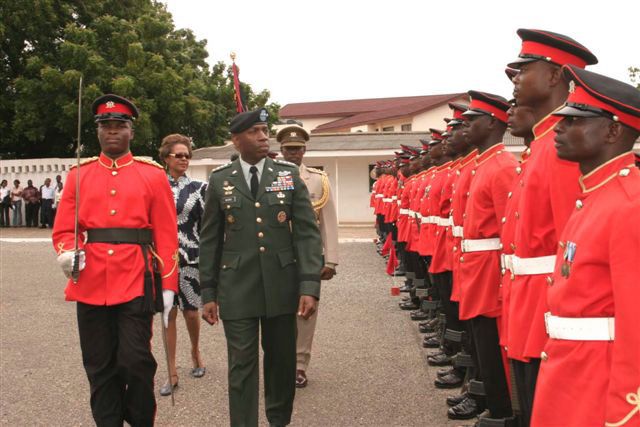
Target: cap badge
(280,195)
(110,104)
(282,216)
(572,86)
(294,134)
(263,115)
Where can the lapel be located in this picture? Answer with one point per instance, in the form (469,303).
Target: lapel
(236,178)
(268,176)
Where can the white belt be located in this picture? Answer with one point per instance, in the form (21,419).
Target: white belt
(442,222)
(580,328)
(404,211)
(477,245)
(425,220)
(379,196)
(394,198)
(412,213)
(506,262)
(419,217)
(456,230)
(538,265)
(386,200)
(448,221)
(399,202)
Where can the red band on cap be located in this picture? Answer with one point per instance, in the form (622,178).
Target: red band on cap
(114,107)
(457,114)
(557,56)
(449,129)
(481,105)
(436,135)
(581,96)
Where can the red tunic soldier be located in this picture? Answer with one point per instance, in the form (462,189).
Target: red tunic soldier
(590,370)
(127,265)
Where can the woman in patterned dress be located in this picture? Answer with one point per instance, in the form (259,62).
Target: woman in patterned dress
(188,194)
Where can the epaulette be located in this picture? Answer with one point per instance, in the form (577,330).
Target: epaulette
(284,162)
(318,171)
(219,168)
(147,161)
(85,161)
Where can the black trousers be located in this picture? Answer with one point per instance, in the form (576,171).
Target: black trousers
(279,368)
(46,212)
(444,282)
(526,376)
(31,214)
(4,215)
(116,353)
(490,366)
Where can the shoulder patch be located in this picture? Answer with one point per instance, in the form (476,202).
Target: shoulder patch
(318,171)
(85,161)
(219,168)
(147,161)
(284,162)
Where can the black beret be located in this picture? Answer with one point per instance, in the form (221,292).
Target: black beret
(552,47)
(592,95)
(245,120)
(113,107)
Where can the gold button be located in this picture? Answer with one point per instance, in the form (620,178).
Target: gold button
(549,280)
(504,219)
(579,204)
(499,152)
(509,195)
(561,244)
(464,215)
(473,172)
(517,214)
(259,220)
(518,170)
(112,212)
(503,271)
(500,246)
(224,266)
(544,356)
(461,259)
(257,205)
(261,234)
(468,193)
(282,202)
(110,252)
(262,249)
(114,173)
(228,206)
(455,248)
(112,192)
(512,246)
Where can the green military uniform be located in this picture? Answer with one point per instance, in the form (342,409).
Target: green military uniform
(257,257)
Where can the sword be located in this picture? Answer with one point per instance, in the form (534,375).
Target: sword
(75,272)
(166,354)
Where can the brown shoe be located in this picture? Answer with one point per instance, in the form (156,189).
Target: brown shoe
(301,379)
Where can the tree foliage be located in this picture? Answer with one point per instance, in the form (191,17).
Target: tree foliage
(128,47)
(634,76)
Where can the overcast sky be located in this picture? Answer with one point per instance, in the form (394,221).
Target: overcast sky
(305,51)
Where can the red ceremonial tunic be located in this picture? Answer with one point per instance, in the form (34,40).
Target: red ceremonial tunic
(459,196)
(455,175)
(417,190)
(423,243)
(388,200)
(507,236)
(440,209)
(403,218)
(550,188)
(596,383)
(122,193)
(480,276)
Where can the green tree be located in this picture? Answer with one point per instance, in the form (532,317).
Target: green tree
(128,47)
(634,76)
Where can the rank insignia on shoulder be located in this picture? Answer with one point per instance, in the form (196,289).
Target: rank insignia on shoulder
(284,173)
(219,168)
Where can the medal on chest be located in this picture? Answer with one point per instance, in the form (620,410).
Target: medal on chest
(568,257)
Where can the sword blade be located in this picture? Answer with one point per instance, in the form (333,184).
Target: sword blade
(75,273)
(166,355)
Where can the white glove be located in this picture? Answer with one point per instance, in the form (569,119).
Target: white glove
(66,261)
(168,297)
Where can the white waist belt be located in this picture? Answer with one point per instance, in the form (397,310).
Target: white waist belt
(404,211)
(399,202)
(419,217)
(394,198)
(477,245)
(538,265)
(386,200)
(506,262)
(580,328)
(456,230)
(442,222)
(379,196)
(424,220)
(412,213)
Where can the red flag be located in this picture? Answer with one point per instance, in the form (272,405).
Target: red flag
(387,245)
(240,107)
(392,263)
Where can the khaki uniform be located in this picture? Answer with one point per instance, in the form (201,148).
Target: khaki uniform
(324,206)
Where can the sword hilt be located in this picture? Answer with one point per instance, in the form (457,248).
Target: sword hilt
(75,270)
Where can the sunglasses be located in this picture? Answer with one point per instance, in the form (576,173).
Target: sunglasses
(180,156)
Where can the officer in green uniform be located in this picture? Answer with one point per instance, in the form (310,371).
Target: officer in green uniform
(260,262)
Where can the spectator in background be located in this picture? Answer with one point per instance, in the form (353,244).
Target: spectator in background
(188,195)
(16,202)
(5,203)
(47,194)
(56,197)
(31,197)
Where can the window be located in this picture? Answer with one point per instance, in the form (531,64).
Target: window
(388,129)
(406,128)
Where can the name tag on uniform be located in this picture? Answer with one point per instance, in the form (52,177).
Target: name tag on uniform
(229,199)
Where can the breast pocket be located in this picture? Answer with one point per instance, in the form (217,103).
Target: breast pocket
(231,206)
(280,208)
